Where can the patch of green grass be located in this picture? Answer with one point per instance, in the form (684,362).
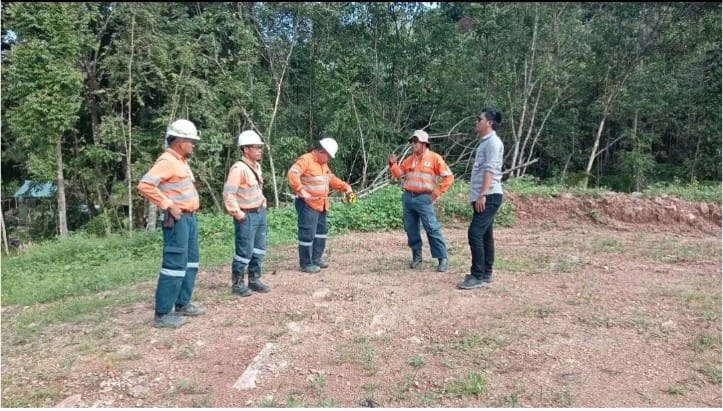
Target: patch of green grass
(477,342)
(268,402)
(565,399)
(35,397)
(608,244)
(511,401)
(696,192)
(78,265)
(344,355)
(566,264)
(416,361)
(514,264)
(371,389)
(704,342)
(539,311)
(427,398)
(641,322)
(189,386)
(709,304)
(317,383)
(328,403)
(472,384)
(675,390)
(294,316)
(673,250)
(712,371)
(28,323)
(293,402)
(202,402)
(188,352)
(449,363)
(402,388)
(83,265)
(368,355)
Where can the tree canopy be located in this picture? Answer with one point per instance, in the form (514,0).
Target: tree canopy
(620,95)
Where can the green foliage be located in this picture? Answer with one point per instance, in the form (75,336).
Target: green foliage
(709,193)
(473,384)
(530,185)
(381,211)
(105,81)
(78,265)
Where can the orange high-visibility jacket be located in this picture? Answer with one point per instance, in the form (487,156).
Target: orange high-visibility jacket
(315,178)
(419,174)
(169,182)
(242,190)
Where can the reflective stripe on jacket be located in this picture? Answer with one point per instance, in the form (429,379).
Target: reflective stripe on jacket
(170,181)
(419,175)
(316,179)
(241,190)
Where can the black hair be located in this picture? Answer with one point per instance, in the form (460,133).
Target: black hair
(170,139)
(493,114)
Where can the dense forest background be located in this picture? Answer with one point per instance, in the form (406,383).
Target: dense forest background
(616,95)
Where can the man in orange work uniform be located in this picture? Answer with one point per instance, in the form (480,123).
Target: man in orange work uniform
(310,178)
(244,199)
(169,185)
(419,173)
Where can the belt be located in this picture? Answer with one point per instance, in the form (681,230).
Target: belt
(189,212)
(414,193)
(251,210)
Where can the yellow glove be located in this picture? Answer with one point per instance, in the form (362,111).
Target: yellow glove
(350,197)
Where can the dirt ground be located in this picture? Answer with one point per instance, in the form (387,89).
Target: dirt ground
(607,302)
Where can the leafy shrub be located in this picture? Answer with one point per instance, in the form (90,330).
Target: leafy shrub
(378,212)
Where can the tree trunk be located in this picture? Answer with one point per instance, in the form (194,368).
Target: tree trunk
(365,156)
(6,248)
(594,152)
(211,191)
(129,144)
(62,222)
(152,217)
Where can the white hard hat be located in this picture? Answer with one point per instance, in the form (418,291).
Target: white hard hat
(329,144)
(249,137)
(421,135)
(182,128)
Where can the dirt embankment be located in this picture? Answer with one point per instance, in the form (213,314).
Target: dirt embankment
(621,211)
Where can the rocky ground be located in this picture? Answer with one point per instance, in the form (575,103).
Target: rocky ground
(606,302)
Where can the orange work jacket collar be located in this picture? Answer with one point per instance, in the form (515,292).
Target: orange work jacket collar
(174,153)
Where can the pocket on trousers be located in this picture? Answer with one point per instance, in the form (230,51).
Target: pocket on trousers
(173,257)
(172,250)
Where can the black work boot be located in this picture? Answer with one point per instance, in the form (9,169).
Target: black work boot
(238,286)
(443,263)
(416,259)
(255,283)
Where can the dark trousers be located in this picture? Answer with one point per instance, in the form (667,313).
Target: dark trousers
(312,230)
(481,238)
(249,244)
(180,265)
